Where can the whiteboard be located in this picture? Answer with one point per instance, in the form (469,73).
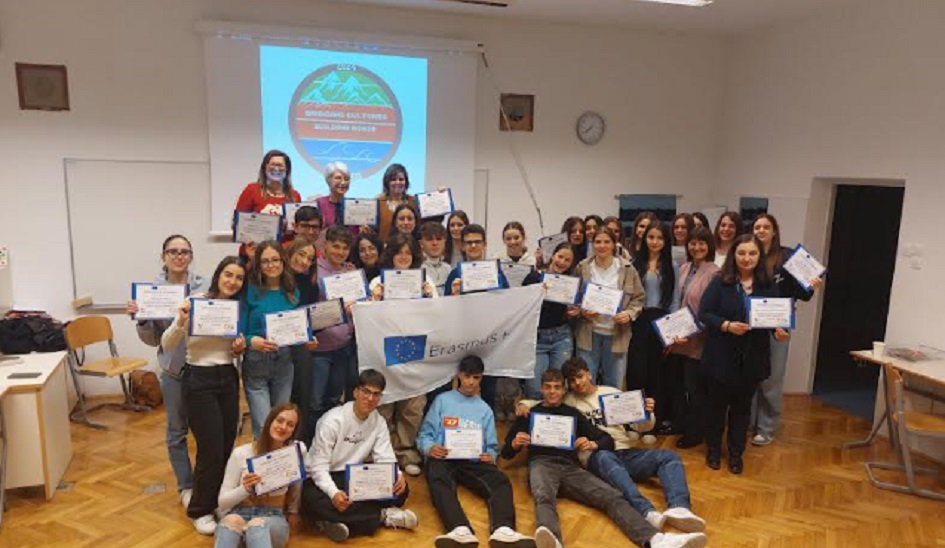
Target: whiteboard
(120,212)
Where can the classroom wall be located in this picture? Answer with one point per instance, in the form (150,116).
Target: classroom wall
(137,90)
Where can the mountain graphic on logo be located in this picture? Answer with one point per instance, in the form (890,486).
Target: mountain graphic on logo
(347,88)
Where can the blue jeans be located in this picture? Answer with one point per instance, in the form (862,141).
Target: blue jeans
(176,430)
(555,345)
(334,373)
(768,401)
(267,381)
(611,366)
(273,532)
(623,467)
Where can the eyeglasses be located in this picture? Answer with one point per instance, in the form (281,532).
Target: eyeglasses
(371,394)
(473,243)
(178,252)
(270,262)
(308,226)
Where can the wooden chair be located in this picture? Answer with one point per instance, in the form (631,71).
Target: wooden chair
(907,424)
(90,330)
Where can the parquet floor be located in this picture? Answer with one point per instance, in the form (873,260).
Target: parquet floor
(802,491)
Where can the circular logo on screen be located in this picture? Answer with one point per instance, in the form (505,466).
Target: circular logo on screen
(345,113)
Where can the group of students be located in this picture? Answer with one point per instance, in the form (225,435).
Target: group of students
(314,392)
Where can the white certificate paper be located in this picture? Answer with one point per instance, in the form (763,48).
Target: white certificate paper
(288,328)
(623,408)
(371,481)
(678,325)
(325,314)
(358,212)
(804,267)
(560,288)
(600,299)
(277,469)
(770,312)
(158,301)
(552,430)
(256,227)
(679,254)
(434,204)
(515,273)
(463,443)
(214,318)
(479,275)
(288,213)
(349,286)
(548,244)
(403,284)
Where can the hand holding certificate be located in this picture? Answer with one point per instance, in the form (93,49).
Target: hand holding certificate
(624,408)
(560,288)
(552,430)
(371,481)
(403,284)
(325,314)
(678,325)
(547,245)
(349,286)
(158,301)
(463,443)
(277,469)
(804,267)
(434,204)
(479,276)
(358,212)
(515,273)
(214,318)
(770,312)
(603,300)
(288,328)
(256,227)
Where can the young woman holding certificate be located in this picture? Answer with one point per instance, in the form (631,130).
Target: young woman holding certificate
(574,228)
(177,255)
(735,357)
(601,340)
(766,410)
(728,227)
(211,392)
(260,521)
(513,236)
(301,254)
(366,255)
(396,184)
(693,279)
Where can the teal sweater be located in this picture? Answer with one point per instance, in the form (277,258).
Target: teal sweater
(256,305)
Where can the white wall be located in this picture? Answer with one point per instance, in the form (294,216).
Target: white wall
(137,91)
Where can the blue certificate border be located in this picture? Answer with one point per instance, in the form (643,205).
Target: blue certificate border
(497,269)
(308,324)
(584,292)
(448,191)
(285,212)
(531,427)
(577,294)
(805,283)
(423,277)
(134,296)
(367,290)
(482,448)
(239,318)
(344,314)
(603,415)
(748,303)
(659,333)
(298,450)
(348,478)
(547,260)
(377,209)
(236,223)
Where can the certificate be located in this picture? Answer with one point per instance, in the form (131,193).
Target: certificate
(679,254)
(560,288)
(403,284)
(678,325)
(479,275)
(371,481)
(158,301)
(325,314)
(623,408)
(288,213)
(515,273)
(600,299)
(434,204)
(277,469)
(214,318)
(548,244)
(256,227)
(288,328)
(463,443)
(804,267)
(552,430)
(358,212)
(349,286)
(770,312)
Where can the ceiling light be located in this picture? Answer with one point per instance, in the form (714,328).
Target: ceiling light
(691,3)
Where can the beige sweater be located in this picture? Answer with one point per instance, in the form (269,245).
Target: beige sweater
(629,280)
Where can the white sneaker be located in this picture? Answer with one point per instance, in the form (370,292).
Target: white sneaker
(684,520)
(669,540)
(185,495)
(336,532)
(461,537)
(544,538)
(649,439)
(205,525)
(762,440)
(655,519)
(412,470)
(397,518)
(505,537)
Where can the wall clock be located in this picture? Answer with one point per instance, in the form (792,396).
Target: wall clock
(590,128)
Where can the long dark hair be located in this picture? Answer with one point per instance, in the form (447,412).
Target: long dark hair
(739,227)
(690,224)
(286,280)
(569,247)
(354,256)
(772,259)
(214,292)
(729,272)
(701,216)
(416,219)
(664,264)
(264,443)
(263,178)
(393,247)
(635,242)
(448,253)
(389,174)
(568,225)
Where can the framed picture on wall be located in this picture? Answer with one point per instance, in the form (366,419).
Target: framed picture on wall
(520,110)
(42,87)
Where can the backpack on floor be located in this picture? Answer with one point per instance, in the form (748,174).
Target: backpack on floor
(145,388)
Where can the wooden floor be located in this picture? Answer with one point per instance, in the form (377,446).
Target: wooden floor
(802,491)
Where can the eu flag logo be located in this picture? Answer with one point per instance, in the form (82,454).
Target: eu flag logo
(401,350)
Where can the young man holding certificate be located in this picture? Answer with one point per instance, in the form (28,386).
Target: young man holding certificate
(458,438)
(555,468)
(347,437)
(474,249)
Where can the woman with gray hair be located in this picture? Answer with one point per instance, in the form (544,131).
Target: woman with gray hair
(338,178)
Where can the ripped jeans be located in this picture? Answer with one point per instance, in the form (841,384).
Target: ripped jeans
(264,527)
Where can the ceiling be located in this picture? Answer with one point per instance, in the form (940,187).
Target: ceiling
(721,17)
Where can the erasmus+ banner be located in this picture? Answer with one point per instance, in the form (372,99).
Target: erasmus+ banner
(417,344)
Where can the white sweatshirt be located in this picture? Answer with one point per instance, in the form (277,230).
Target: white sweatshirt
(201,351)
(232,492)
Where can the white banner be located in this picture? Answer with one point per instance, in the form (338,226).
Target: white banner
(418,344)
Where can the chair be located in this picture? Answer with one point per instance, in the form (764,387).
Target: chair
(90,330)
(907,423)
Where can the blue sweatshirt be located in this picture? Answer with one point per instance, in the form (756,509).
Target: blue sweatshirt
(455,410)
(256,305)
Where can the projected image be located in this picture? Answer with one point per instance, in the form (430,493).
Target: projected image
(367,111)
